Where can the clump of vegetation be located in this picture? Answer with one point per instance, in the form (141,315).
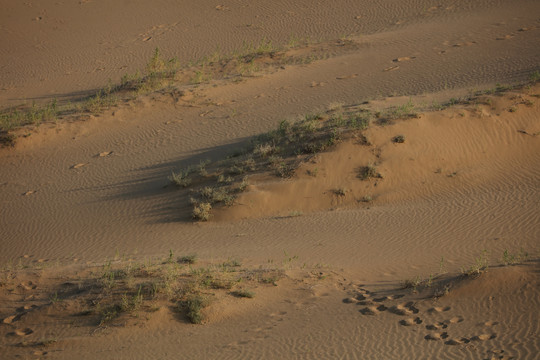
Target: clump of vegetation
(368,172)
(181,178)
(398,139)
(388,116)
(244,293)
(201,211)
(480,265)
(509,258)
(193,306)
(366,199)
(188,259)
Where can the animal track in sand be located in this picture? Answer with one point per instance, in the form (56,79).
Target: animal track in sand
(23,332)
(436,336)
(484,337)
(457,341)
(12,318)
(437,326)
(439,309)
(346,77)
(411,321)
(404,58)
(454,320)
(373,310)
(79,165)
(404,309)
(28,285)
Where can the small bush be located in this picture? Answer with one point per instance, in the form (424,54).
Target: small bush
(367,172)
(181,178)
(201,212)
(193,306)
(398,139)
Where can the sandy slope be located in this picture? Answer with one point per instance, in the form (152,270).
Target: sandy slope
(61,201)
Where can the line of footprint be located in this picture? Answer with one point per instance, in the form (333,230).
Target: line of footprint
(374,305)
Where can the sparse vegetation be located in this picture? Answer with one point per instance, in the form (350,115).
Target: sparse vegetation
(398,139)
(201,211)
(243,293)
(188,259)
(181,178)
(509,258)
(159,74)
(368,172)
(193,306)
(480,265)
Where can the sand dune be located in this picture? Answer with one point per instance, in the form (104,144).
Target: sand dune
(461,187)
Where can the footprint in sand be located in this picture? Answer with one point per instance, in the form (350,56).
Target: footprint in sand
(411,321)
(79,165)
(345,77)
(39,353)
(105,153)
(373,310)
(404,58)
(484,337)
(404,309)
(491,323)
(23,332)
(436,336)
(26,308)
(362,297)
(29,192)
(437,326)
(505,37)
(454,320)
(400,310)
(12,318)
(457,341)
(391,68)
(28,285)
(439,309)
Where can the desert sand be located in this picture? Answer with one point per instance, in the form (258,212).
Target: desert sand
(431,254)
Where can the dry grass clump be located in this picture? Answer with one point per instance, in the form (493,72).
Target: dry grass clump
(368,172)
(201,211)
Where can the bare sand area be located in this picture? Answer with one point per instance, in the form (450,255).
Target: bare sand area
(369,174)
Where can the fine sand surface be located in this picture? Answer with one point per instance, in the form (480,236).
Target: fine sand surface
(460,190)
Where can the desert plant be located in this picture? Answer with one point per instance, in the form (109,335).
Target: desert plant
(181,178)
(188,259)
(201,212)
(511,259)
(398,139)
(368,172)
(366,198)
(244,184)
(243,293)
(480,265)
(193,306)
